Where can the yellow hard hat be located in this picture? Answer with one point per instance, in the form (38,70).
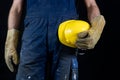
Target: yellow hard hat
(68,30)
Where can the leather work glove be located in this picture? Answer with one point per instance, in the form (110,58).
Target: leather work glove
(11,56)
(88,39)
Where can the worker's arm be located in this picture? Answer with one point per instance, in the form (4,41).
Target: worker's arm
(15,14)
(90,38)
(92,9)
(14,18)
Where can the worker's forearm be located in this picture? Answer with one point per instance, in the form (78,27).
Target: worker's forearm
(14,20)
(14,17)
(93,11)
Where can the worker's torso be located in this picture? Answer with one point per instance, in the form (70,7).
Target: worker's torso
(50,7)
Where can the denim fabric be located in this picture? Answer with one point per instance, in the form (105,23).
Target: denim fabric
(74,68)
(39,40)
(67,68)
(50,7)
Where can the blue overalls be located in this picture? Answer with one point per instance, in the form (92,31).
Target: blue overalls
(40,39)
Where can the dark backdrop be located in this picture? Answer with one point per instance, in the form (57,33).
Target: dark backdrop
(95,64)
(5,74)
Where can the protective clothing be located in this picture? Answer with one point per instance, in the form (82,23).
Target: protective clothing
(68,65)
(11,56)
(50,8)
(40,39)
(93,35)
(74,67)
(40,44)
(68,31)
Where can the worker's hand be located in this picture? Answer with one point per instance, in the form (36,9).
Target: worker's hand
(88,39)
(11,56)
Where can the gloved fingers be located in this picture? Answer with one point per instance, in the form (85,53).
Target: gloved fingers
(84,40)
(10,49)
(82,34)
(81,43)
(87,43)
(82,46)
(11,58)
(15,58)
(9,63)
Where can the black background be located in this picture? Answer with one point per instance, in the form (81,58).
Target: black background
(98,65)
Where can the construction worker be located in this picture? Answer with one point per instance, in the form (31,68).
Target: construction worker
(40,38)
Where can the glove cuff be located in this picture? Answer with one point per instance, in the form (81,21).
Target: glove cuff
(12,37)
(97,18)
